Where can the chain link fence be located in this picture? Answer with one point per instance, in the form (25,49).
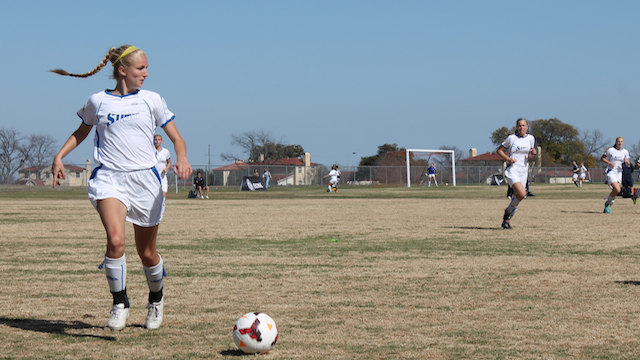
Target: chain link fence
(231,176)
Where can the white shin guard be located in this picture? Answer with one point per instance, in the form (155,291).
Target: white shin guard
(116,271)
(154,276)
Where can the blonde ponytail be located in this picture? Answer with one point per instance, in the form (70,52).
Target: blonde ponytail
(102,64)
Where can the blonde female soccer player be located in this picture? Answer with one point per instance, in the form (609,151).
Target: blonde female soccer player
(519,146)
(126,185)
(614,157)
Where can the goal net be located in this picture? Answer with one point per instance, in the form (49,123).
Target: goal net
(409,168)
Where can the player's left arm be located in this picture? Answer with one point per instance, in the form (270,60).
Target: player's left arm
(182,166)
(166,170)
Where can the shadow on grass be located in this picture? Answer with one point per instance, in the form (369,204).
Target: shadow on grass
(474,228)
(581,212)
(628,282)
(234,352)
(53,327)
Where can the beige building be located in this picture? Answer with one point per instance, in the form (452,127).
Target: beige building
(41,175)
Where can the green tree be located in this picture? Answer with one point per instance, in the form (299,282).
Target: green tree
(376,160)
(560,142)
(498,136)
(261,144)
(366,163)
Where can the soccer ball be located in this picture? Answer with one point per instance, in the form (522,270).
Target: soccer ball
(255,332)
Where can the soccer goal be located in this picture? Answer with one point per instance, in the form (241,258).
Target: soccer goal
(418,161)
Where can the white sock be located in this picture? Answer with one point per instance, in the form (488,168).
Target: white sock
(513,205)
(116,271)
(154,276)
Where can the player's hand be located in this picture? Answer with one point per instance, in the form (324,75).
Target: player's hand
(57,170)
(183,169)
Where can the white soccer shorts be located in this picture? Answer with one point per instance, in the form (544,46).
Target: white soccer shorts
(165,182)
(515,174)
(140,191)
(614,175)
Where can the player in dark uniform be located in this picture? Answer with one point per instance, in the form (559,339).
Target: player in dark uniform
(198,182)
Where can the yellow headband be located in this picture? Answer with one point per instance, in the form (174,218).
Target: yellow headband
(128,51)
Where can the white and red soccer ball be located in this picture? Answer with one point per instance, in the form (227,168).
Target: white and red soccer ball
(255,332)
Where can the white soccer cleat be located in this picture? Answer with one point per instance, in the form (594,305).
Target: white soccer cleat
(207,196)
(119,316)
(154,316)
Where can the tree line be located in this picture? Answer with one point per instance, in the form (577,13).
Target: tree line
(562,143)
(17,151)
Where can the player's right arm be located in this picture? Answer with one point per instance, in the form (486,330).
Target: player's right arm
(57,168)
(504,156)
(603,158)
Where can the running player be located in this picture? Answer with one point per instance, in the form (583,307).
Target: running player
(333,178)
(164,162)
(576,170)
(431,174)
(583,173)
(520,146)
(614,157)
(126,185)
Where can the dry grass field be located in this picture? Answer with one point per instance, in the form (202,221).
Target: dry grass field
(382,273)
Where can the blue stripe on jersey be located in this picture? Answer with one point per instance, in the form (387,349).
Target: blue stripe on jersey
(94,172)
(155,171)
(168,121)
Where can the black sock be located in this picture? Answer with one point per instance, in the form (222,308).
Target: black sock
(155,297)
(121,297)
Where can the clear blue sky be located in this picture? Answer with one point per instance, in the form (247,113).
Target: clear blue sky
(336,77)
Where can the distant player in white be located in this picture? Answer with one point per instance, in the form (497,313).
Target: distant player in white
(519,146)
(583,173)
(333,178)
(164,163)
(126,186)
(576,170)
(614,157)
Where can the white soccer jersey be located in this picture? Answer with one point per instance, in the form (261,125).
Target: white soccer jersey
(616,157)
(125,126)
(334,176)
(162,156)
(519,148)
(583,170)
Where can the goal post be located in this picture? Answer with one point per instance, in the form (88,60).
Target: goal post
(430,152)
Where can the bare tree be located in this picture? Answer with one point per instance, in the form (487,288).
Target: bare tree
(13,154)
(594,142)
(635,152)
(445,159)
(42,149)
(261,144)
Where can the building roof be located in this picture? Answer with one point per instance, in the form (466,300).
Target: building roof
(38,168)
(36,182)
(485,157)
(277,162)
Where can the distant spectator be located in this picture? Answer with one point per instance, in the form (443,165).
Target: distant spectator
(267,176)
(198,182)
